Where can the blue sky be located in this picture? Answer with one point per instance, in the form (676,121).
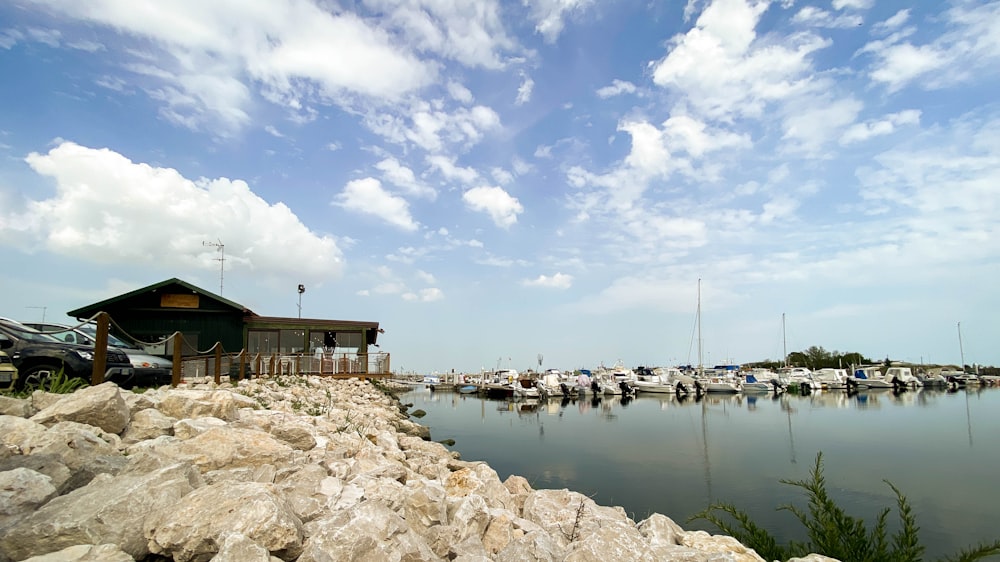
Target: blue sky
(494,181)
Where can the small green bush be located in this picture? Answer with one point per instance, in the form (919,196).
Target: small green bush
(832,532)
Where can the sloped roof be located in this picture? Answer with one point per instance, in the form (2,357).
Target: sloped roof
(92,309)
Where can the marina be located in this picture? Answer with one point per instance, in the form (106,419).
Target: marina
(677,453)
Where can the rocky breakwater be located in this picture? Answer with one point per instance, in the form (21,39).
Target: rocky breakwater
(294,468)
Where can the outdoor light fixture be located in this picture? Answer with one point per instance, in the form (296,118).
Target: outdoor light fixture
(302,289)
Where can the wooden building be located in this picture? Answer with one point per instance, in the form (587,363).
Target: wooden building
(151,314)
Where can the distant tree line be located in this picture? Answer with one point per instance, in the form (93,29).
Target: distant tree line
(817,358)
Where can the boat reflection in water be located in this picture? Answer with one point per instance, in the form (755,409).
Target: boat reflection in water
(674,454)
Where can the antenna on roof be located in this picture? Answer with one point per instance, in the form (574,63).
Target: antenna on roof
(221,259)
(44,308)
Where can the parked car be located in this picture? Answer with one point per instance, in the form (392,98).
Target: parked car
(150,370)
(8,372)
(39,357)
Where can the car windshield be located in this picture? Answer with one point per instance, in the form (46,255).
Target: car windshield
(25,333)
(91,332)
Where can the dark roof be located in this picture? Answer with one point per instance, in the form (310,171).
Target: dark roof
(92,309)
(316,323)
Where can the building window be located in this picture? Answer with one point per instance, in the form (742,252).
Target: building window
(292,341)
(262,341)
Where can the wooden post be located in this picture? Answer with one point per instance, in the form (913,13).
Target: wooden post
(243,365)
(100,349)
(178,341)
(218,362)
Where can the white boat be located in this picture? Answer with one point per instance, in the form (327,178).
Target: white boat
(902,376)
(525,388)
(759,380)
(831,379)
(668,380)
(934,380)
(871,377)
(799,376)
(720,384)
(550,384)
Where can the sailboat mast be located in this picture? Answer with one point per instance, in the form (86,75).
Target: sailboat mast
(701,365)
(960,350)
(784,345)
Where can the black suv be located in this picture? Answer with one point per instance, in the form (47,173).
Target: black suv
(39,357)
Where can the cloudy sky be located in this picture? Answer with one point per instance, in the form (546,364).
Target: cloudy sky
(495,181)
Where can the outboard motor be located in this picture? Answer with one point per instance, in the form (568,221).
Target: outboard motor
(680,389)
(627,389)
(852,385)
(778,387)
(698,390)
(898,385)
(596,388)
(564,389)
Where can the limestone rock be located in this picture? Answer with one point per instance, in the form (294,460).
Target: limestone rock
(109,510)
(22,490)
(705,542)
(85,553)
(182,404)
(19,407)
(289,468)
(100,406)
(190,529)
(368,531)
(148,423)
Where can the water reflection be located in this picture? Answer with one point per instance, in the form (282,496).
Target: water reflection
(674,455)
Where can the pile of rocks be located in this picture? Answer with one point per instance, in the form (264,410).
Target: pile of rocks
(294,468)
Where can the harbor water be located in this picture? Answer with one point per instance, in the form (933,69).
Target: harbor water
(658,453)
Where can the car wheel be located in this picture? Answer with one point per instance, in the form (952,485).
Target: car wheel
(37,376)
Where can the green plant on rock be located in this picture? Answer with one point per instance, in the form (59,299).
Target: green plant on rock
(832,532)
(60,383)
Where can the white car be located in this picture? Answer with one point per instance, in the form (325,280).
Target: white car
(150,370)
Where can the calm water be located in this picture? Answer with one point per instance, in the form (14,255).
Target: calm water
(658,454)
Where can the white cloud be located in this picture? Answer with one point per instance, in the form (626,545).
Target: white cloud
(503,177)
(813,123)
(684,133)
(434,129)
(549,15)
(471,33)
(424,295)
(425,277)
(404,178)
(296,53)
(893,22)
(864,131)
(104,205)
(500,205)
(524,90)
(722,72)
(557,281)
(450,171)
(366,196)
(813,16)
(970,46)
(852,4)
(459,93)
(616,88)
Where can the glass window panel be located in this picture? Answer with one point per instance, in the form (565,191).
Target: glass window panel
(262,341)
(292,341)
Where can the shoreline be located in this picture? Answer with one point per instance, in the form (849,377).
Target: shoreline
(293,468)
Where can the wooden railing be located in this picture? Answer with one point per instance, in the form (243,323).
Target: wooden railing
(217,364)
